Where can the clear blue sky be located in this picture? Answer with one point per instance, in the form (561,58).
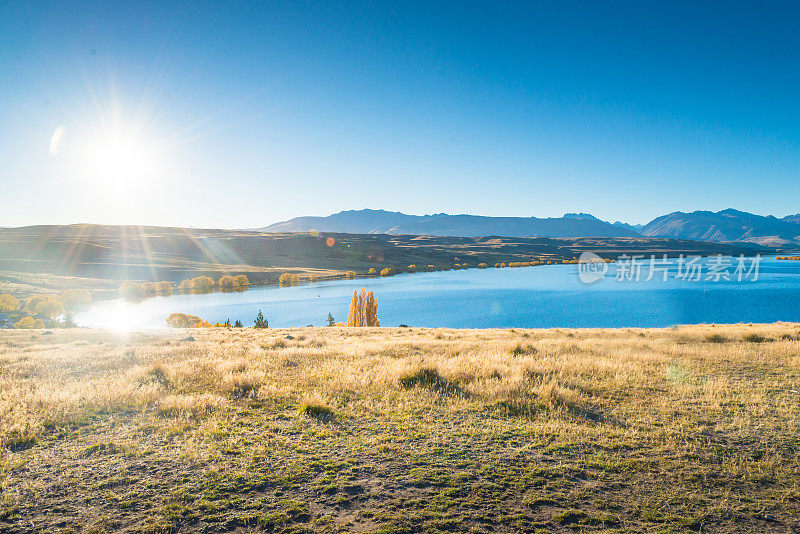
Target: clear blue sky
(249,113)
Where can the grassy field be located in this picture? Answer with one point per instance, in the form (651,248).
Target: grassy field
(401,430)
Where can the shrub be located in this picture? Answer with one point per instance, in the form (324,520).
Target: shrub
(164,288)
(33,301)
(202,284)
(716,338)
(134,291)
(76,300)
(431,267)
(288,279)
(244,386)
(754,338)
(226,282)
(182,320)
(411,268)
(350,275)
(8,303)
(49,308)
(241,280)
(317,411)
(482,266)
(155,374)
(519,350)
(373,270)
(387,271)
(186,285)
(29,322)
(429,378)
(44,305)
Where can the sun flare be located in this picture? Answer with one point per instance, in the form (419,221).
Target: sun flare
(120,158)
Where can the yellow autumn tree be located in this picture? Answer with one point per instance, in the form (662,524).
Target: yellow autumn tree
(8,303)
(371,310)
(49,308)
(362,300)
(29,322)
(288,279)
(352,312)
(363,309)
(186,285)
(33,301)
(164,288)
(76,300)
(241,280)
(203,284)
(182,320)
(350,275)
(226,282)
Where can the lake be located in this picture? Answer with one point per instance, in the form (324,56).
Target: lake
(527,297)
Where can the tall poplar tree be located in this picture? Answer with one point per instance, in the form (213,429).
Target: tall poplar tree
(352,312)
(371,310)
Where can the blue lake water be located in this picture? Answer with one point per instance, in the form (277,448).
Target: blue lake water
(528,297)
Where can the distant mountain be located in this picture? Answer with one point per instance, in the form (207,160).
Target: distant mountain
(349,222)
(726,225)
(580,216)
(635,227)
(386,222)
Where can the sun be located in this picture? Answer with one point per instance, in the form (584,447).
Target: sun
(115,156)
(119,159)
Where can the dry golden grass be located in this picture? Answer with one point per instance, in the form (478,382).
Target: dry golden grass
(401,430)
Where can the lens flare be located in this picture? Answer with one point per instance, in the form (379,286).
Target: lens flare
(55,140)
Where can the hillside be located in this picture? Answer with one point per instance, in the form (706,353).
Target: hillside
(401,430)
(50,257)
(726,225)
(100,257)
(385,222)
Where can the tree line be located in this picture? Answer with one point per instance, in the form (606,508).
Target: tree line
(42,310)
(135,291)
(363,311)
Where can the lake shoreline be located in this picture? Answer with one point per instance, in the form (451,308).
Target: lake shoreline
(550,296)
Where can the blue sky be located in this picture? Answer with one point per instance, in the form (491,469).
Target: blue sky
(249,113)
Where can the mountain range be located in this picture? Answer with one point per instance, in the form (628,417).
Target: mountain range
(728,225)
(441,224)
